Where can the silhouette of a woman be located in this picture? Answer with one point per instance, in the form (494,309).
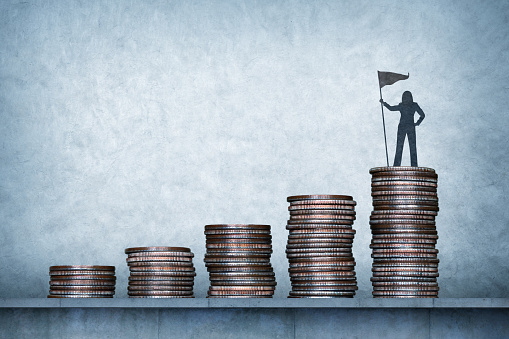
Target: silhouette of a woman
(407,107)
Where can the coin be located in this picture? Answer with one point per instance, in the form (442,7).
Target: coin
(322,213)
(239,296)
(237,227)
(403,214)
(160,297)
(321,217)
(161,274)
(402,169)
(402,224)
(239,236)
(162,281)
(318,223)
(408,249)
(323,275)
(396,278)
(160,264)
(160,293)
(252,294)
(426,262)
(314,202)
(233,259)
(411,230)
(330,249)
(397,236)
(162,278)
(229,232)
(236,265)
(320,207)
(82,268)
(225,283)
(402,245)
(321,293)
(397,275)
(319,197)
(338,284)
(238,241)
(249,279)
(250,253)
(79,295)
(405,284)
(81,282)
(157,249)
(292,239)
(340,241)
(402,255)
(404,241)
(398,197)
(83,288)
(181,256)
(168,288)
(232,275)
(410,193)
(319,245)
(384,178)
(84,292)
(240,270)
(404,204)
(322,232)
(408,207)
(161,269)
(100,277)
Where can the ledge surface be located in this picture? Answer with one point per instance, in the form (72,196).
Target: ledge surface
(256,303)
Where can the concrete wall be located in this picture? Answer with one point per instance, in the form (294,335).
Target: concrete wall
(136,123)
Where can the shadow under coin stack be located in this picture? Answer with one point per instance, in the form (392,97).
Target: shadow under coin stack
(404,235)
(319,247)
(82,281)
(238,261)
(160,272)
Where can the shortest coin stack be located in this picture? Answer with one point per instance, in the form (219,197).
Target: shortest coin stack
(82,281)
(160,272)
(238,261)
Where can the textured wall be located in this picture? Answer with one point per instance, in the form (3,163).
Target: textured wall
(136,123)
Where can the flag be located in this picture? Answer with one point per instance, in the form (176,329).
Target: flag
(388,78)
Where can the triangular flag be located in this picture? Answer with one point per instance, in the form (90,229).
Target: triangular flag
(388,78)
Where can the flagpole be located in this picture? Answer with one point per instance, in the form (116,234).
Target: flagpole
(383,121)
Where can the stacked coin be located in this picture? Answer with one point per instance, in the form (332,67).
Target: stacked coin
(160,272)
(238,261)
(319,247)
(404,235)
(82,281)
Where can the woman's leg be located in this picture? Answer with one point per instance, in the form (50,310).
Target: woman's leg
(399,146)
(413,147)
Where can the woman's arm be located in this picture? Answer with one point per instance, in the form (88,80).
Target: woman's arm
(389,107)
(420,112)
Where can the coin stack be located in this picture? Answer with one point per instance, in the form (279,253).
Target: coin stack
(319,247)
(404,235)
(82,281)
(238,261)
(160,272)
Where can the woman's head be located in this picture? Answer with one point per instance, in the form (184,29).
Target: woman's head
(407,97)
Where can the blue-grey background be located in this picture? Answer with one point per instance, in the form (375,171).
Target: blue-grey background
(135,123)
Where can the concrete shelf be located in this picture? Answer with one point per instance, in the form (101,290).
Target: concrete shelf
(279,303)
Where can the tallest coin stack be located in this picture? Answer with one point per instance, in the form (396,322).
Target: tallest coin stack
(404,235)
